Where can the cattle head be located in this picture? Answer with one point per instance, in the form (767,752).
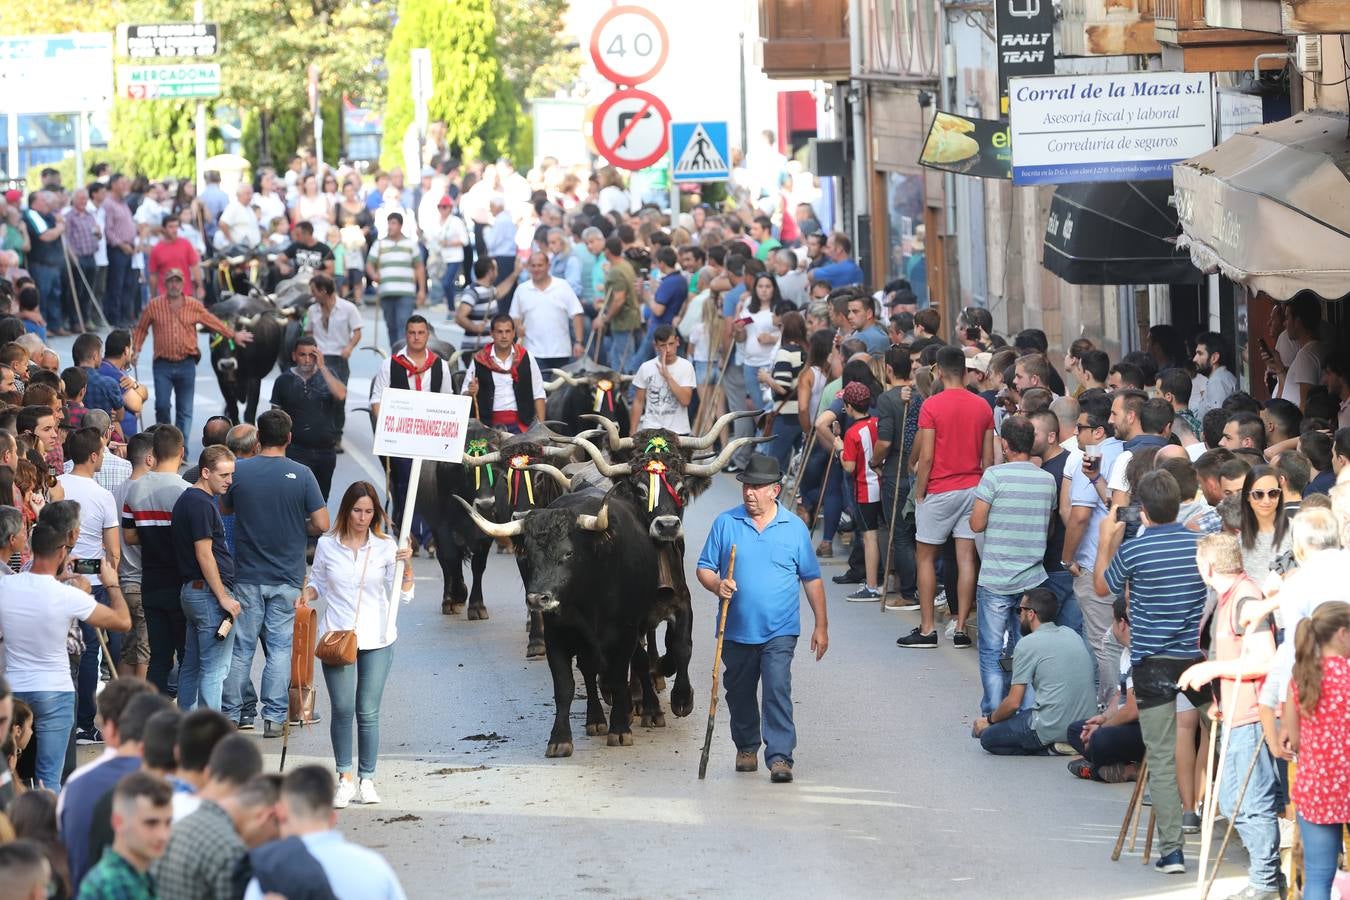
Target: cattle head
(521,489)
(640,442)
(556,543)
(481,457)
(598,392)
(661,483)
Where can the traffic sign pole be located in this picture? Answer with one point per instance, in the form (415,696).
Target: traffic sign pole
(199,15)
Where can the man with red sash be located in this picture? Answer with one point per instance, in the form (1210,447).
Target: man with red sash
(414,368)
(504,381)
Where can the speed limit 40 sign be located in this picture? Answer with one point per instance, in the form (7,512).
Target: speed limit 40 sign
(629,45)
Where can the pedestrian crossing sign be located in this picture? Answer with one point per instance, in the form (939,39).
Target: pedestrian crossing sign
(701,151)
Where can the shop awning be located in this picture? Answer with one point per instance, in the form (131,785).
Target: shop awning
(1270,207)
(1115,232)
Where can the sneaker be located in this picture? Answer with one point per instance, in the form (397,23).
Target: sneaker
(732,469)
(365,791)
(1190,823)
(1117,773)
(780,771)
(825,550)
(1062,748)
(246,725)
(902,604)
(746,761)
(1251,892)
(314,717)
(273,729)
(1147,799)
(87,736)
(917,640)
(961,641)
(864,594)
(1080,768)
(346,792)
(941,598)
(848,578)
(1173,863)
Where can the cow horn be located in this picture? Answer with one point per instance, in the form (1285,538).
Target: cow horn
(624,379)
(483,459)
(557,452)
(490,528)
(554,472)
(722,459)
(247,321)
(612,429)
(711,435)
(597,522)
(567,377)
(454,359)
(602,464)
(551,386)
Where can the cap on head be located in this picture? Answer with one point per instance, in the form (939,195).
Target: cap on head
(170,274)
(980,362)
(857,395)
(445,201)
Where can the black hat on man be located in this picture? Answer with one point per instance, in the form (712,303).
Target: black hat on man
(761,470)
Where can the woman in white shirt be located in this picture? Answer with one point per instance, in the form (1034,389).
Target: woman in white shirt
(353,573)
(756,328)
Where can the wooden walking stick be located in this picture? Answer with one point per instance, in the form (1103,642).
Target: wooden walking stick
(1131,809)
(895,507)
(717,661)
(824,486)
(103,642)
(801,472)
(1212,794)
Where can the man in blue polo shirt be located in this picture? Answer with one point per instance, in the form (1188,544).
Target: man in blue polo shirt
(773,557)
(841,271)
(1167,601)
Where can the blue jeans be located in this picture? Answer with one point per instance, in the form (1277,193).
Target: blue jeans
(1256,821)
(646,350)
(396,311)
(118,298)
(448,285)
(53,718)
(355,691)
(206,661)
(1013,737)
(1321,846)
(997,621)
(753,389)
(1070,616)
(86,682)
(787,431)
(268,613)
(179,379)
(48,280)
(747,667)
(618,345)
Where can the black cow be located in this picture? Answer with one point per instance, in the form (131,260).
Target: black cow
(589,389)
(661,483)
(592,574)
(241,369)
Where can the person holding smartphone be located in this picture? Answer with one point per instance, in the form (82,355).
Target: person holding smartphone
(100,539)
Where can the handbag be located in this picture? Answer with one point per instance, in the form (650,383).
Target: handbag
(301,693)
(338,647)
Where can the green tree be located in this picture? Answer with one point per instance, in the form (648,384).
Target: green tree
(470,93)
(536,55)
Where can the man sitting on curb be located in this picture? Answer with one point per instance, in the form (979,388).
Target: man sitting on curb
(1054,662)
(1111,744)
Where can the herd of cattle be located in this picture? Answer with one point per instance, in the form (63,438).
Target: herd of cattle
(595,516)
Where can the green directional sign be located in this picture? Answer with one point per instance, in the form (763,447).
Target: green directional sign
(192,81)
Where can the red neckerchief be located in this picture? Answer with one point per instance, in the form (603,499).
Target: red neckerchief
(413,369)
(489,359)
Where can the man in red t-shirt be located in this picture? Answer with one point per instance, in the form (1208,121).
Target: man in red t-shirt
(954,447)
(855,449)
(174,252)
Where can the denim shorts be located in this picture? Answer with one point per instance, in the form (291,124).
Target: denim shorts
(944,515)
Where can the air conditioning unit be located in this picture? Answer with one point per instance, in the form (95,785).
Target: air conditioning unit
(1309,54)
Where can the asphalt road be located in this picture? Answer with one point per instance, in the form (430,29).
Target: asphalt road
(892,796)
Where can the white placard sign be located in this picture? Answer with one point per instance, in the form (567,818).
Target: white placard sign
(420,424)
(1129,126)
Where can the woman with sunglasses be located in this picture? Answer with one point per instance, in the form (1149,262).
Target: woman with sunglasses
(1265,530)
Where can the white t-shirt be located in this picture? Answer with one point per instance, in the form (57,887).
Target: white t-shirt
(1305,369)
(662,409)
(449,230)
(343,322)
(35,614)
(269,207)
(1117,481)
(547,317)
(243,225)
(98,510)
(757,354)
(700,341)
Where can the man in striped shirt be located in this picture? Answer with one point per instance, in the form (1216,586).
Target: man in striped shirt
(1013,505)
(395,265)
(174,318)
(1167,600)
